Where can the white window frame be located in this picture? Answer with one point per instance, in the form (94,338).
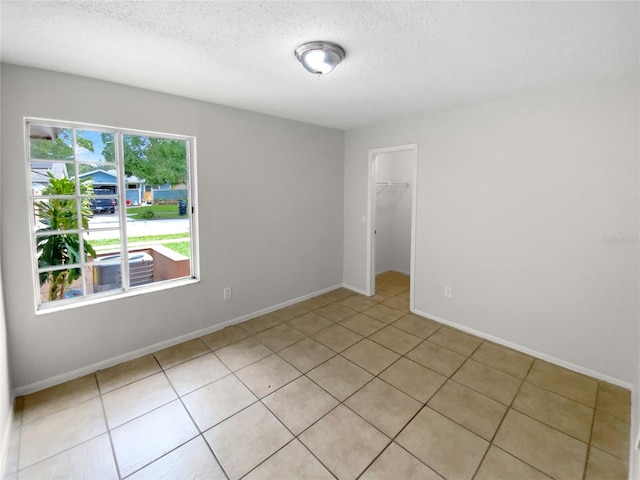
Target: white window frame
(126,290)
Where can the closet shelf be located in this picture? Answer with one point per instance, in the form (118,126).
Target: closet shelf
(391,184)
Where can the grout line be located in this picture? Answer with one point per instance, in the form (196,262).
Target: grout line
(593,423)
(106,425)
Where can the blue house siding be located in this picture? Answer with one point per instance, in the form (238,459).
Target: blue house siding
(100,177)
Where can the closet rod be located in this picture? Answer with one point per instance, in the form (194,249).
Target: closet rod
(406,184)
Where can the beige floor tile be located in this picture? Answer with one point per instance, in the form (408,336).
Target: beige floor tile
(383,293)
(554,453)
(369,355)
(337,338)
(384,314)
(614,400)
(344,442)
(315,303)
(397,463)
(338,294)
(439,359)
(50,435)
(310,323)
(357,303)
(196,373)
(217,401)
(13,448)
(454,340)
(569,384)
(340,377)
(292,311)
(416,325)
(287,313)
(224,337)
(391,287)
(602,466)
(127,372)
(279,337)
(306,354)
(181,353)
(386,277)
(267,375)
(147,438)
(293,462)
(243,353)
(449,449)
(403,281)
(406,295)
(258,324)
(335,312)
(499,465)
(557,411)
(138,398)
(395,339)
(611,435)
(59,397)
(399,303)
(487,380)
(383,406)
(192,460)
(91,459)
(472,410)
(362,324)
(246,439)
(300,404)
(504,359)
(413,379)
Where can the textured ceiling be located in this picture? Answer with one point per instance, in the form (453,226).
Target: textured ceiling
(403,58)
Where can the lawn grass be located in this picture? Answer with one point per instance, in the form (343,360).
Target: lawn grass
(145,238)
(181,247)
(154,212)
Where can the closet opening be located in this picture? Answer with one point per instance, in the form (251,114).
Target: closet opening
(391,216)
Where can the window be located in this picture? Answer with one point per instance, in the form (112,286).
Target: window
(112,211)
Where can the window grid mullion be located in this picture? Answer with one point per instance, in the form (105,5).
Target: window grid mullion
(76,175)
(122,211)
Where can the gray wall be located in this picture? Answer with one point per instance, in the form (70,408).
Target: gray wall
(518,201)
(270,206)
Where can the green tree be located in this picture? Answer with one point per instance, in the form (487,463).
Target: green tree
(155,160)
(59,147)
(64,248)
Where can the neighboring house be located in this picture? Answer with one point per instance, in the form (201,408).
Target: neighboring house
(106,179)
(39,177)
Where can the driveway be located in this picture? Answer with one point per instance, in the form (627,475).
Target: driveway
(136,228)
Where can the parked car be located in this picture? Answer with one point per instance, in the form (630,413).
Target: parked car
(103,204)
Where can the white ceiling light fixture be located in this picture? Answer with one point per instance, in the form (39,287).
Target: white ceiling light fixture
(320,58)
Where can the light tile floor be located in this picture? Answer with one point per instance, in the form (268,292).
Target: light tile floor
(338,386)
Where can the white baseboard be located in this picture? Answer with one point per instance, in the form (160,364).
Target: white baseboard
(354,289)
(110,362)
(532,352)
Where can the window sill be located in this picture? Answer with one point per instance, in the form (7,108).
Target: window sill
(53,307)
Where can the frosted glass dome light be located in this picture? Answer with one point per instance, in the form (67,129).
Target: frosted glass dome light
(320,58)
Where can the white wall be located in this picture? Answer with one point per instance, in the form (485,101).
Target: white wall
(393,212)
(270,204)
(516,201)
(6,396)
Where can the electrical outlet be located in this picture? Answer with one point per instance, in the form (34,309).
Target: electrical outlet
(448,292)
(227,293)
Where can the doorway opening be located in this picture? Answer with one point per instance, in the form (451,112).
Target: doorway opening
(391,214)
